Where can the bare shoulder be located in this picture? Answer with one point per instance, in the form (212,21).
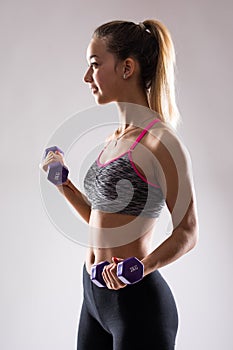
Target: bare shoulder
(166,145)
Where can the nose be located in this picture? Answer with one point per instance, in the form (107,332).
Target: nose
(88,75)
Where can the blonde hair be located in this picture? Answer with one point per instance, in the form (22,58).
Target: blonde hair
(151,44)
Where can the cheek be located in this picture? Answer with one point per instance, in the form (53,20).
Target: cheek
(99,78)
(105,78)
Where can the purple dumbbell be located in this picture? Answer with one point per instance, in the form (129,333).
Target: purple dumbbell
(96,273)
(129,271)
(57,173)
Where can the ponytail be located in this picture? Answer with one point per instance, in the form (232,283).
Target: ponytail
(161,94)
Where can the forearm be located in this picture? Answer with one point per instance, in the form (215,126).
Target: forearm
(76,199)
(178,244)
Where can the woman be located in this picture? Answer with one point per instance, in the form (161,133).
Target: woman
(142,167)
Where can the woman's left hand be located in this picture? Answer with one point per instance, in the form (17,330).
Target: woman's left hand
(110,275)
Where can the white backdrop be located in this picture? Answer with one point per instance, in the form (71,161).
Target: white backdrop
(43,48)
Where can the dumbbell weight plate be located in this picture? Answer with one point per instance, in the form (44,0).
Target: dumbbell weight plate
(96,273)
(130,270)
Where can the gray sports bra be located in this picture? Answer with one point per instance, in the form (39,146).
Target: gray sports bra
(118,187)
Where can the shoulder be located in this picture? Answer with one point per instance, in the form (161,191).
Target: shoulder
(167,146)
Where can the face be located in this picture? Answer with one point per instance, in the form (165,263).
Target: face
(102,76)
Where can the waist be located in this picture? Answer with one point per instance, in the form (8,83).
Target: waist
(107,230)
(139,248)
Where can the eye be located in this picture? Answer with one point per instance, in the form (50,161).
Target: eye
(94,64)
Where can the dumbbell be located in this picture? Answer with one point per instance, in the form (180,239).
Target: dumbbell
(129,271)
(57,173)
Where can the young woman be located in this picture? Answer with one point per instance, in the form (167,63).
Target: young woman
(142,167)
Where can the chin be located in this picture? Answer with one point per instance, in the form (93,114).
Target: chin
(101,100)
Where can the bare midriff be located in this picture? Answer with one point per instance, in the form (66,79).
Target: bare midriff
(118,235)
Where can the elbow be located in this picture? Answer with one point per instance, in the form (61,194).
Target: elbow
(187,238)
(190,229)
(194,236)
(194,232)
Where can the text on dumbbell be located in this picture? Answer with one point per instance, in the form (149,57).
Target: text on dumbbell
(57,175)
(133,268)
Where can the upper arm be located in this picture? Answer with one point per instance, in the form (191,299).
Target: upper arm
(174,173)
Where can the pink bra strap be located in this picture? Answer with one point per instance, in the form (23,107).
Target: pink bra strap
(144,132)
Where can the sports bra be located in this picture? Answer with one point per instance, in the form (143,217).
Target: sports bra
(118,187)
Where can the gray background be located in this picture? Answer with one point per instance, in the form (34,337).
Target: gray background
(43,48)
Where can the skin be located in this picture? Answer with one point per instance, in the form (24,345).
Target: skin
(119,82)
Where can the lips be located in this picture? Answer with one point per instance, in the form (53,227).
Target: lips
(94,89)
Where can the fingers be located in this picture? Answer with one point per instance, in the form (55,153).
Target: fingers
(110,277)
(51,158)
(116,260)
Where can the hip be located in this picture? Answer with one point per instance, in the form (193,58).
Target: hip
(150,296)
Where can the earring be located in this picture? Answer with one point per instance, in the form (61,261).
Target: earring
(124,76)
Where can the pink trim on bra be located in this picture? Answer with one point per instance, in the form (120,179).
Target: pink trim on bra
(138,173)
(129,152)
(144,131)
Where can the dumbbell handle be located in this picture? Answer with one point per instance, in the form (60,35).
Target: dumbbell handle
(57,173)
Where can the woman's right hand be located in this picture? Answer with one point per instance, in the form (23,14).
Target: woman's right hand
(51,158)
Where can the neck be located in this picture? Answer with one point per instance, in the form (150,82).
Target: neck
(131,114)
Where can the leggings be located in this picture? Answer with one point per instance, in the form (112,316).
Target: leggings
(140,316)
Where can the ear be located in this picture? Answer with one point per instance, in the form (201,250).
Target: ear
(129,66)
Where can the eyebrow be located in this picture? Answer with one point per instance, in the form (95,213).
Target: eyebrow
(93,56)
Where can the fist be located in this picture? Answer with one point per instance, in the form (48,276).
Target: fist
(52,157)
